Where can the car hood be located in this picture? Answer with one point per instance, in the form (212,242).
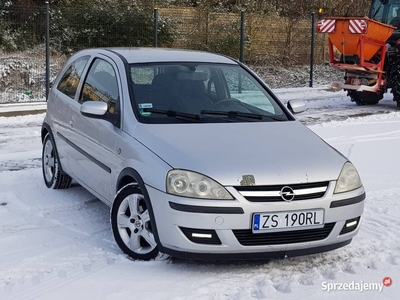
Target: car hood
(271,152)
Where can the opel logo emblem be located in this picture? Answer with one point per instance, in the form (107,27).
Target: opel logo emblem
(287,193)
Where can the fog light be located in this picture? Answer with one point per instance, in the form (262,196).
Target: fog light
(202,235)
(350,224)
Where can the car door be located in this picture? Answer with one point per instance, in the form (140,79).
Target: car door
(93,142)
(62,96)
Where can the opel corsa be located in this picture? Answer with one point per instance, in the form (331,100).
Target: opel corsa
(196,157)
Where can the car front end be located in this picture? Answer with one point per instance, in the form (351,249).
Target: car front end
(225,228)
(263,205)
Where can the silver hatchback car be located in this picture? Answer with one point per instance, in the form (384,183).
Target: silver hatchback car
(196,157)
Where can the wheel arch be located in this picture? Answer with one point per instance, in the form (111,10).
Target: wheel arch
(129,176)
(47,130)
(60,179)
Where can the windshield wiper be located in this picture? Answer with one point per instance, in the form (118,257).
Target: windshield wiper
(235,114)
(231,114)
(172,113)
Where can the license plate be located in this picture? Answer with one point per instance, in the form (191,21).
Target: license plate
(281,221)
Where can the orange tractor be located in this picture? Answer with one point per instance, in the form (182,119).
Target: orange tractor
(367,50)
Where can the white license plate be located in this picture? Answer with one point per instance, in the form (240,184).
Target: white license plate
(281,221)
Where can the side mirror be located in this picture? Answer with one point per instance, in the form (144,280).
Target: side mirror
(296,106)
(94,109)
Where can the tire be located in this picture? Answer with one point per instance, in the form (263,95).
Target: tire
(132,225)
(52,175)
(395,82)
(365,98)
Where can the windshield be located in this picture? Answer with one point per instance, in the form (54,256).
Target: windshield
(214,92)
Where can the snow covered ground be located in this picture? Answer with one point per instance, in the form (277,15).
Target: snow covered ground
(58,244)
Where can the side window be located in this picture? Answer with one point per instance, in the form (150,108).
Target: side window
(101,85)
(70,80)
(206,71)
(377,11)
(142,75)
(209,82)
(238,84)
(393,14)
(246,89)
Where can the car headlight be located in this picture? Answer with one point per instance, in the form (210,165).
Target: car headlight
(193,185)
(348,179)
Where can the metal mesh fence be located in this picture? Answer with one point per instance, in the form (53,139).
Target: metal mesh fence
(199,30)
(277,40)
(73,29)
(267,40)
(22,54)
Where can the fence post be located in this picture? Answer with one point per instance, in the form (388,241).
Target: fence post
(312,48)
(47,50)
(155,30)
(241,36)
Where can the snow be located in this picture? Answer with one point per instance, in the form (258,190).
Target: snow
(58,244)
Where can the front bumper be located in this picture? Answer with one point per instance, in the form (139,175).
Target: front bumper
(225,220)
(254,256)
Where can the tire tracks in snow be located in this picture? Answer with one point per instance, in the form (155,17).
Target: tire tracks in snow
(36,274)
(345,144)
(42,284)
(378,238)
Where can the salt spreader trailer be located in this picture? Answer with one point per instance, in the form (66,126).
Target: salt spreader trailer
(367,49)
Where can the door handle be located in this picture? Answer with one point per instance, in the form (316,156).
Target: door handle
(72,122)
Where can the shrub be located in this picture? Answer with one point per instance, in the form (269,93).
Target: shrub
(74,29)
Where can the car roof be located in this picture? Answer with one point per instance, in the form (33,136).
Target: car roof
(147,55)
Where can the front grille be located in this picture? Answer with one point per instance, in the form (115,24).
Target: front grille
(272,193)
(248,238)
(213,240)
(350,228)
